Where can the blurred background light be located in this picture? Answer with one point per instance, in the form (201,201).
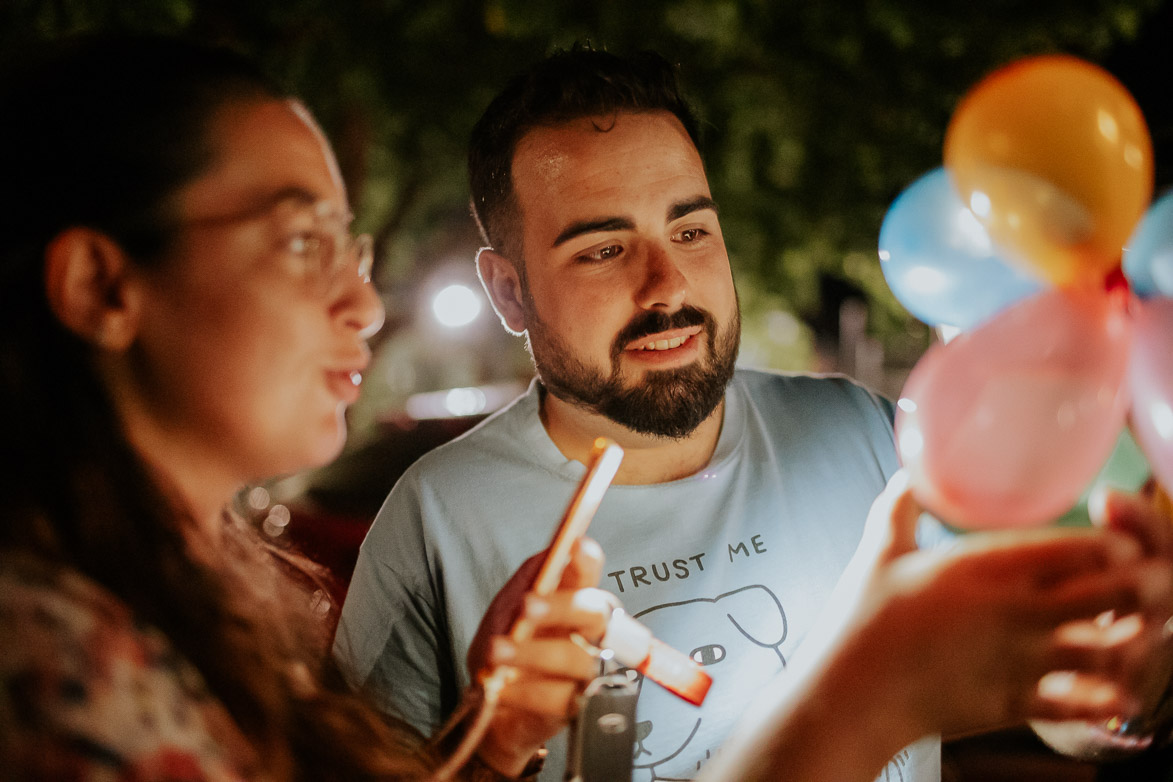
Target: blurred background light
(456,305)
(461,401)
(465,401)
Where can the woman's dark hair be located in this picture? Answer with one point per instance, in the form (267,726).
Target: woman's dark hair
(567,85)
(102,132)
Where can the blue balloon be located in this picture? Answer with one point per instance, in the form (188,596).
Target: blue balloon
(940,262)
(1148,258)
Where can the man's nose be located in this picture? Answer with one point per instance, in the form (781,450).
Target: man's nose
(663,285)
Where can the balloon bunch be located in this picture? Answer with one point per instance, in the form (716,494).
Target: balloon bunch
(1017,242)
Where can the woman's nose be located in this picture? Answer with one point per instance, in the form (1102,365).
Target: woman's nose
(360,306)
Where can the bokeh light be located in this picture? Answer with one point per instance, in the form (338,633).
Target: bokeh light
(456,306)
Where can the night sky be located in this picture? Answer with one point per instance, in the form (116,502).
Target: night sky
(1146,69)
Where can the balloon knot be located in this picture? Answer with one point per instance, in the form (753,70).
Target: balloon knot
(1116,282)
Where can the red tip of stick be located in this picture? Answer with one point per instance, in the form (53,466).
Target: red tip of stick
(676,672)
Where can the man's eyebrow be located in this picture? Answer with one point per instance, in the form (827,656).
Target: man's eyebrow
(679,210)
(591,226)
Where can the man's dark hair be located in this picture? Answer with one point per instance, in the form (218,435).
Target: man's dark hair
(566,86)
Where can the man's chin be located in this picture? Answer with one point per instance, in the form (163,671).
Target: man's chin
(666,403)
(631,379)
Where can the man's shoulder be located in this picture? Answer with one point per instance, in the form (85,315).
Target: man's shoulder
(764,385)
(503,441)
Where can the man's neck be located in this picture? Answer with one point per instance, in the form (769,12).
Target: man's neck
(647,459)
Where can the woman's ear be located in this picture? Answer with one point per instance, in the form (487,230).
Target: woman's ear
(90,287)
(503,285)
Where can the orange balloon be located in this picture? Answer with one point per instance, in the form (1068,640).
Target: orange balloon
(1053,155)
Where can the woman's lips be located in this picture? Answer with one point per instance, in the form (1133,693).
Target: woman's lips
(344,384)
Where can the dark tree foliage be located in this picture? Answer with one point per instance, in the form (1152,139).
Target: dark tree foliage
(817,114)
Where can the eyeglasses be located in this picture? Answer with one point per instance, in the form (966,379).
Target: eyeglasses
(324,245)
(311,237)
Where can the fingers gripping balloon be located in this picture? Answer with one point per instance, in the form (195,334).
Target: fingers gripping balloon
(1050,166)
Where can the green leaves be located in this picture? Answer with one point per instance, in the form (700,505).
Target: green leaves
(816,114)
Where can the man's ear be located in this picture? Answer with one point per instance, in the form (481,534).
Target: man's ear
(90,287)
(503,285)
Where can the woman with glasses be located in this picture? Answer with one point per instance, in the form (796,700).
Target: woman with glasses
(184,311)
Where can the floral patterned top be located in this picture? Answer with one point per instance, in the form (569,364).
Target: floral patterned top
(87,693)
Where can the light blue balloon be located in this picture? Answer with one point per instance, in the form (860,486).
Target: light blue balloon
(939,260)
(1148,258)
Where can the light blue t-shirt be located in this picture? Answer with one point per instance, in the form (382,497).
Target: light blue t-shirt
(731,565)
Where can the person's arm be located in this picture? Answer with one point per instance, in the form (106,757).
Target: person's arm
(391,641)
(925,642)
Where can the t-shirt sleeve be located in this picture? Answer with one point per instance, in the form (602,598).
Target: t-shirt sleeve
(930,532)
(886,407)
(86,694)
(391,640)
(877,417)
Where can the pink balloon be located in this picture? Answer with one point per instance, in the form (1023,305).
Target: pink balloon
(1005,425)
(1151,379)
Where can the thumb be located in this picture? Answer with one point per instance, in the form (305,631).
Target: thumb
(889,532)
(891,524)
(585,566)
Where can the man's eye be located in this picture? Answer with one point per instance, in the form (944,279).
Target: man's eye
(689,235)
(602,253)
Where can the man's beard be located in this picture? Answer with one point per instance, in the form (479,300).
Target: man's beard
(669,403)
